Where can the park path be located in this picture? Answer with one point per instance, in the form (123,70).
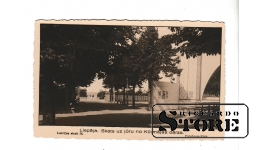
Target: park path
(91,113)
(101,112)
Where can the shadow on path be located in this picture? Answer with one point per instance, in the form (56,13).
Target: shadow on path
(108,120)
(134,120)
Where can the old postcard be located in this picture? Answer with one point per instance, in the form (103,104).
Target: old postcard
(133,80)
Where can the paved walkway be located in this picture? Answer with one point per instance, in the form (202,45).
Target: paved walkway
(91,113)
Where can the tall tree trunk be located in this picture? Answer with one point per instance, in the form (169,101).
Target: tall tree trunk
(117,96)
(71,93)
(112,94)
(45,108)
(54,96)
(67,100)
(127,94)
(124,96)
(151,100)
(53,112)
(50,102)
(133,95)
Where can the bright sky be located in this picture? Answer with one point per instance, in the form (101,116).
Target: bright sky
(97,84)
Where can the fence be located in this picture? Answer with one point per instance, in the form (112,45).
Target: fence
(138,98)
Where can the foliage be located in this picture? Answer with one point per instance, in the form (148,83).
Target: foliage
(83,93)
(154,55)
(74,55)
(77,52)
(142,60)
(101,94)
(157,55)
(194,41)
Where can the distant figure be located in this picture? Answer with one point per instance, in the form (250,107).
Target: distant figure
(72,107)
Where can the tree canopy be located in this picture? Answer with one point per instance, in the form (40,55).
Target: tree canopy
(144,59)
(73,55)
(195,41)
(79,52)
(157,55)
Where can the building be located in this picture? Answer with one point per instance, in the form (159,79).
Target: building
(191,84)
(92,96)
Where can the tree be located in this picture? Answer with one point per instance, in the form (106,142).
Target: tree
(115,80)
(75,54)
(195,41)
(82,92)
(120,70)
(133,69)
(156,55)
(69,51)
(101,94)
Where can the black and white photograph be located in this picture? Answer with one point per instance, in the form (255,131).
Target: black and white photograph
(114,75)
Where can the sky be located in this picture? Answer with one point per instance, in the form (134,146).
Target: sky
(97,84)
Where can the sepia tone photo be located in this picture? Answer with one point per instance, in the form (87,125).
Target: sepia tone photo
(93,78)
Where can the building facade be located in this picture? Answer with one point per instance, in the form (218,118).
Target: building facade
(92,96)
(190,85)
